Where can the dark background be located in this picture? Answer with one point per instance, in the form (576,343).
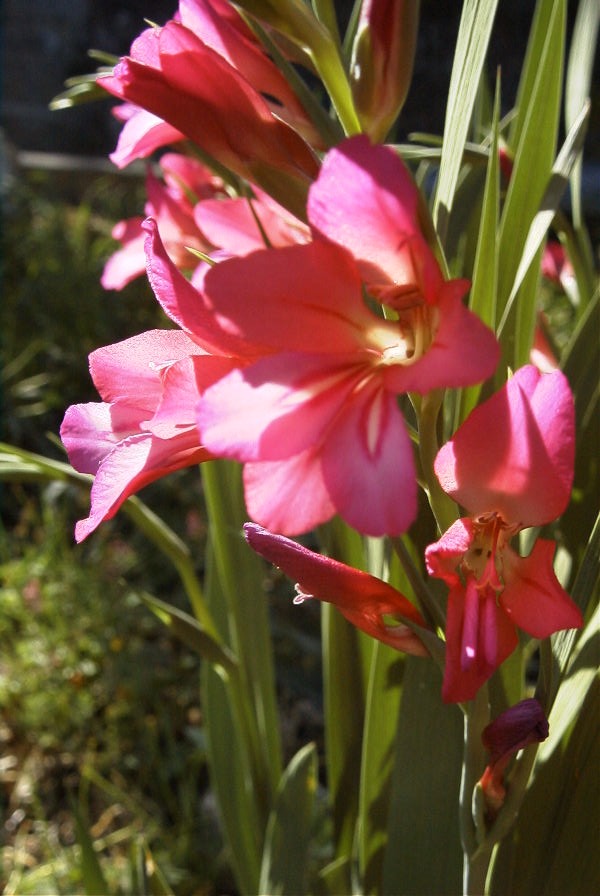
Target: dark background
(43,43)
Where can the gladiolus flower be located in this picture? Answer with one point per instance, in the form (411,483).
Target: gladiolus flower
(222,92)
(171,205)
(510,465)
(364,600)
(513,730)
(315,417)
(145,426)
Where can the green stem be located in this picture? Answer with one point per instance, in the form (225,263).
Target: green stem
(444,509)
(163,537)
(329,65)
(472,831)
(476,871)
(427,602)
(240,574)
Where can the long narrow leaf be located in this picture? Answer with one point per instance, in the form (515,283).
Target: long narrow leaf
(284,870)
(485,272)
(534,135)
(187,629)
(424,854)
(381,720)
(579,77)
(553,193)
(471,48)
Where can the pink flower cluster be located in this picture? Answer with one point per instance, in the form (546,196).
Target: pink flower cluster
(315,303)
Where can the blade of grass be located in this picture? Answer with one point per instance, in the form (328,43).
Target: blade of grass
(471,48)
(578,83)
(485,271)
(284,865)
(533,137)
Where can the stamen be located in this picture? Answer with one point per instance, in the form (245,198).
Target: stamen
(301,596)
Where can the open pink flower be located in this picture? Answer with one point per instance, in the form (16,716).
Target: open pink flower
(510,465)
(315,417)
(171,204)
(145,426)
(222,92)
(364,600)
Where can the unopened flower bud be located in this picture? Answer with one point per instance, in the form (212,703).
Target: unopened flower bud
(513,730)
(382,62)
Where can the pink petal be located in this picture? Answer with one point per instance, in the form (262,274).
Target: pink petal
(183,383)
(233,41)
(362,598)
(288,496)
(232,225)
(129,371)
(184,175)
(229,224)
(88,434)
(141,135)
(129,262)
(276,407)
(186,83)
(184,304)
(310,299)
(486,630)
(533,597)
(132,464)
(444,556)
(368,465)
(365,200)
(514,453)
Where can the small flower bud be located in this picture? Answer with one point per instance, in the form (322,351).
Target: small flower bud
(382,62)
(517,727)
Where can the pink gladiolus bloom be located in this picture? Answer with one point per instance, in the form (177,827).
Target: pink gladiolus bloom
(145,426)
(364,600)
(513,730)
(172,208)
(315,417)
(191,82)
(510,465)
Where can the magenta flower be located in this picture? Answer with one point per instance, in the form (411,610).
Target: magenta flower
(171,205)
(315,417)
(364,600)
(145,426)
(208,81)
(510,465)
(513,730)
